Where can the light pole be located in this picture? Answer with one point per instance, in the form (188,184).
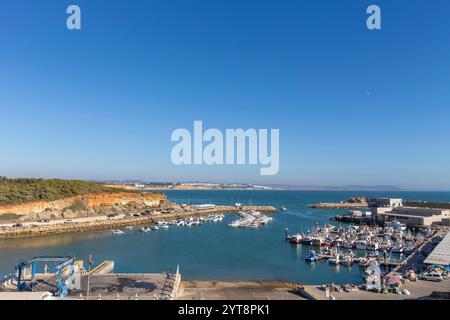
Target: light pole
(90,262)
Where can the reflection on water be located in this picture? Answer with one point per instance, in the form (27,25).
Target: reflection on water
(50,240)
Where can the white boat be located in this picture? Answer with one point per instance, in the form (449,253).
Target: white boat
(164,226)
(398,249)
(335,260)
(348,245)
(347,260)
(154,228)
(283,208)
(361,244)
(117,231)
(146,229)
(372,246)
(363,262)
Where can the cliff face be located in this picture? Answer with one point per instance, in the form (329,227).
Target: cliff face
(85,205)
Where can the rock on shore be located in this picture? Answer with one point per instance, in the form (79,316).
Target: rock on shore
(84,206)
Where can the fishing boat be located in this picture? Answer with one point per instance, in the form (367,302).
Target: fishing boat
(317,241)
(154,228)
(296,238)
(327,243)
(117,231)
(312,256)
(283,208)
(307,240)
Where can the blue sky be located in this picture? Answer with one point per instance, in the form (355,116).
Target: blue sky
(353,106)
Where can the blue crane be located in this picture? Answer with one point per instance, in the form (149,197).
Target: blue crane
(63,262)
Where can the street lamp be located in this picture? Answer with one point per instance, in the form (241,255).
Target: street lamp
(90,262)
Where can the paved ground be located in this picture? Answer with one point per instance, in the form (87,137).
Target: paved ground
(124,286)
(418,290)
(62,221)
(236,290)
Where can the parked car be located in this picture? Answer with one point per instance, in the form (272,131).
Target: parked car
(431,276)
(18,225)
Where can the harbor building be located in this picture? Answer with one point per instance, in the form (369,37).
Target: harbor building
(441,254)
(205,206)
(385,202)
(412,217)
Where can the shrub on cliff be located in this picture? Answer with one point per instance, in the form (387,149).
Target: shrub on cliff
(9,216)
(15,191)
(77,205)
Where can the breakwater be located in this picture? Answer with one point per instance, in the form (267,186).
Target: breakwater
(74,226)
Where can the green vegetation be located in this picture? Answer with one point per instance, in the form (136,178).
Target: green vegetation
(15,191)
(77,205)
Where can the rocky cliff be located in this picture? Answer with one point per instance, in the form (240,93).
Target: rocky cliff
(86,205)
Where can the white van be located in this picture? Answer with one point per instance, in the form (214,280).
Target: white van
(432,276)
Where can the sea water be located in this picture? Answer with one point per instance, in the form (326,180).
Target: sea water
(214,251)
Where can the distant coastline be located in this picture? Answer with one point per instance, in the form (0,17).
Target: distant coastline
(151,186)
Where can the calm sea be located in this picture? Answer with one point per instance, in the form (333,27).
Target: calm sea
(214,250)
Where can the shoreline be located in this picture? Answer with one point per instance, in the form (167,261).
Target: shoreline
(102,223)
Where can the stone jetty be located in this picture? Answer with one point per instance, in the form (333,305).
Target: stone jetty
(102,223)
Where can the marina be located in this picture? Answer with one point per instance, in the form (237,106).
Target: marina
(386,246)
(206,247)
(251,219)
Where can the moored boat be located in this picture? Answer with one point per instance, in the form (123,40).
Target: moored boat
(361,244)
(348,245)
(317,241)
(335,260)
(312,256)
(372,246)
(297,238)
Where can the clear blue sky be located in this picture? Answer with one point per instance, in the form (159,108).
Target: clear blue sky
(353,106)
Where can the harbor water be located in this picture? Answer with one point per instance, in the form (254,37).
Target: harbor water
(215,251)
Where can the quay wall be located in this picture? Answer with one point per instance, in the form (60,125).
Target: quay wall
(337,205)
